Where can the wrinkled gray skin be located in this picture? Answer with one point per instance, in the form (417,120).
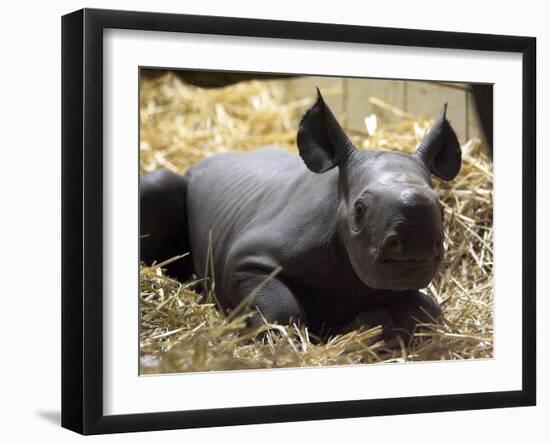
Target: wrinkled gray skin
(356,233)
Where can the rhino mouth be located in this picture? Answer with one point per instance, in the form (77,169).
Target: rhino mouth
(410,261)
(397,273)
(410,273)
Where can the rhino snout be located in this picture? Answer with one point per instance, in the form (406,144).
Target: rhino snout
(396,247)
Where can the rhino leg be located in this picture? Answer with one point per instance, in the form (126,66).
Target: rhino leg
(414,308)
(270,296)
(163,221)
(372,318)
(401,315)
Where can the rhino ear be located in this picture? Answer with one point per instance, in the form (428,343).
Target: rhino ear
(440,149)
(321,140)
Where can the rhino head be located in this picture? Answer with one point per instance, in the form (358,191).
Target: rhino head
(389,218)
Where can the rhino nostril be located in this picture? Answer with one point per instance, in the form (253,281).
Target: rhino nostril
(392,243)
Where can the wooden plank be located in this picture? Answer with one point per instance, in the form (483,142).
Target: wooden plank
(349,100)
(361,90)
(331,88)
(427,99)
(474,127)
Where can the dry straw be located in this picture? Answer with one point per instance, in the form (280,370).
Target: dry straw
(183,331)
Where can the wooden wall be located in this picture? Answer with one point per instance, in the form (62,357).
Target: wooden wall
(350,100)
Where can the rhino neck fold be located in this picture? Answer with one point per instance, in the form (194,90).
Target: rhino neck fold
(340,262)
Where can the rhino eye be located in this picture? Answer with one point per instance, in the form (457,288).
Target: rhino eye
(359,211)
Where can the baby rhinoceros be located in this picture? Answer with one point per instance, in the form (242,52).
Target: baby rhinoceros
(354,233)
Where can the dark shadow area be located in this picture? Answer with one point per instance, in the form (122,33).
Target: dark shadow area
(54,417)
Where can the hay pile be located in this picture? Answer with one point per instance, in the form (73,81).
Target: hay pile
(181,331)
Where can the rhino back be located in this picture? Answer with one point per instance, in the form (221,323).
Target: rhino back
(265,201)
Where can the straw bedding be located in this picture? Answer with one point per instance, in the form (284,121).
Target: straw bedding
(183,331)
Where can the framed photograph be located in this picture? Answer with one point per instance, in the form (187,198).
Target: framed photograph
(270,221)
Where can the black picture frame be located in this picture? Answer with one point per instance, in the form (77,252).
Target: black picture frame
(82,218)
